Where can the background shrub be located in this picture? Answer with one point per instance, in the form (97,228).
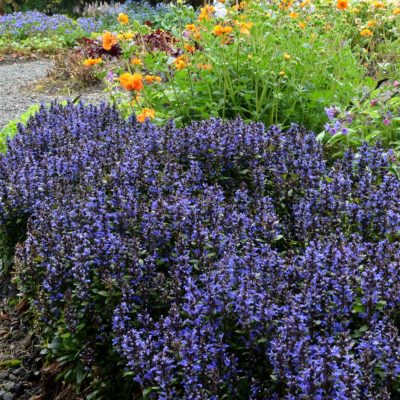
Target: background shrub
(25,32)
(212,261)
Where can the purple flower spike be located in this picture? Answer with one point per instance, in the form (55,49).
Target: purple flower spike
(222,260)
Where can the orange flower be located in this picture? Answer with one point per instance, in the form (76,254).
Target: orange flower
(136,61)
(205,67)
(109,40)
(342,4)
(152,78)
(379,4)
(92,61)
(206,12)
(366,33)
(245,27)
(371,24)
(302,25)
(131,82)
(293,15)
(218,30)
(221,30)
(146,113)
(191,27)
(123,19)
(304,3)
(285,4)
(396,11)
(189,48)
(181,62)
(227,30)
(240,6)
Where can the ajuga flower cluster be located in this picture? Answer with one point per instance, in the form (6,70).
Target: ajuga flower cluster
(221,260)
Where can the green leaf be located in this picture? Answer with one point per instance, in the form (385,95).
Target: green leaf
(80,374)
(147,391)
(358,307)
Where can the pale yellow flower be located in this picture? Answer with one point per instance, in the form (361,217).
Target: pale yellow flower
(123,19)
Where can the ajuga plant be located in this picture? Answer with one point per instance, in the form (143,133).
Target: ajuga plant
(220,260)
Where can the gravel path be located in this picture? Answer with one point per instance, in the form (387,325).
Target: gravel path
(16,94)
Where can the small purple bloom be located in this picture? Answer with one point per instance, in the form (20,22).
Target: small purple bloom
(111,76)
(331,112)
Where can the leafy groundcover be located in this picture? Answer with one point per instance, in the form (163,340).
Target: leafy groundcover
(220,260)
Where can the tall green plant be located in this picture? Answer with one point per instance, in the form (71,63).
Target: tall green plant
(265,67)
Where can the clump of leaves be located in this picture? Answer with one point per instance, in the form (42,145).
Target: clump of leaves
(158,40)
(69,66)
(372,117)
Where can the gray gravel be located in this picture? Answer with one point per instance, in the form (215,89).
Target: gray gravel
(17,94)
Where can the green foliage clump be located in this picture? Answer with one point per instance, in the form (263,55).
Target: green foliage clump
(372,117)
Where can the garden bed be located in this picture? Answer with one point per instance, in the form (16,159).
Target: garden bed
(224,225)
